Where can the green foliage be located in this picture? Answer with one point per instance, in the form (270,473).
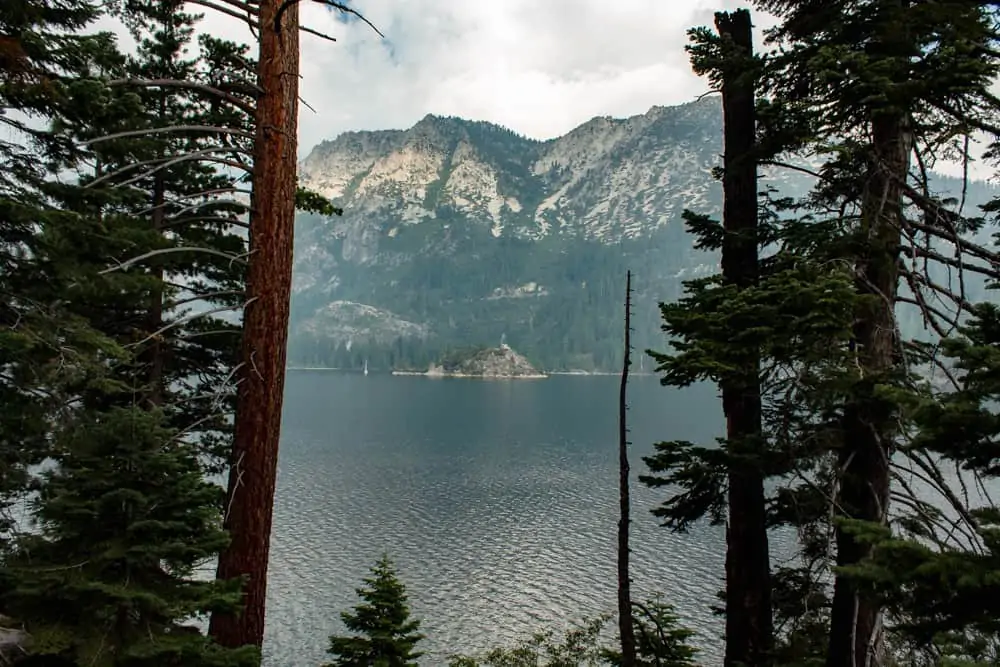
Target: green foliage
(578,647)
(660,639)
(313,202)
(125,520)
(384,634)
(112,389)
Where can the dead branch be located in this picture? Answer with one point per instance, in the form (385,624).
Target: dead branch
(992,272)
(236,222)
(329,3)
(201,297)
(187,85)
(124,266)
(162,163)
(215,129)
(322,35)
(246,18)
(185,319)
(932,477)
(949,294)
(235,164)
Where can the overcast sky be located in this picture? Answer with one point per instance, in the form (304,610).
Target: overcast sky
(539,68)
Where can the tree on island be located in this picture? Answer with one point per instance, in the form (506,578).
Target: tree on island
(385,636)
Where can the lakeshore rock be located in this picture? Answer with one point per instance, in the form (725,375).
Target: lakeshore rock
(494,362)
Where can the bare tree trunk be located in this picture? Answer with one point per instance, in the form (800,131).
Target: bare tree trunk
(625,627)
(265,328)
(749,631)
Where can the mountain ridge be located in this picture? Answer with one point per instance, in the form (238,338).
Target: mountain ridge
(456,232)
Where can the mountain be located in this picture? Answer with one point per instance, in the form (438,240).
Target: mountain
(456,233)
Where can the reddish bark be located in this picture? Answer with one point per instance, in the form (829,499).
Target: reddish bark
(265,328)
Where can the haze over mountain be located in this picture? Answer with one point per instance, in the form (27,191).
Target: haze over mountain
(458,232)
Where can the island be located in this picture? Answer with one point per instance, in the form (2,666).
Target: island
(490,362)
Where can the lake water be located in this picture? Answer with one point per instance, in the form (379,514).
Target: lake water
(498,501)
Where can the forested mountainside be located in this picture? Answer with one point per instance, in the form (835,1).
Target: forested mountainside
(458,232)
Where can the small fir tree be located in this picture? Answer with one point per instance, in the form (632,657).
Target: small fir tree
(385,636)
(125,519)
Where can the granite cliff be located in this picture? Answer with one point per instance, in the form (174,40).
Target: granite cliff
(457,232)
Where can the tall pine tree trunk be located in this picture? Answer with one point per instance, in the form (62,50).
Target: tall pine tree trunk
(265,327)
(625,627)
(749,633)
(869,426)
(856,637)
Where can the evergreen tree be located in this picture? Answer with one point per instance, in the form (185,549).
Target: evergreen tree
(46,352)
(125,519)
(127,451)
(384,634)
(883,88)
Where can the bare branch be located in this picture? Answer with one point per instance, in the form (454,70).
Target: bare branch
(170,128)
(122,266)
(322,35)
(236,222)
(187,85)
(329,3)
(202,297)
(246,18)
(187,318)
(163,164)
(204,193)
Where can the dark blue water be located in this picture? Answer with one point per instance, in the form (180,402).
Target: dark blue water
(498,501)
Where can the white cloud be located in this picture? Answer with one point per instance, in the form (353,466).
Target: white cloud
(540,68)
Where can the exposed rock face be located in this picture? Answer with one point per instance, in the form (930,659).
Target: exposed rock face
(455,230)
(496,362)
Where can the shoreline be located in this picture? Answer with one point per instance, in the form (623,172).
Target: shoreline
(470,376)
(538,376)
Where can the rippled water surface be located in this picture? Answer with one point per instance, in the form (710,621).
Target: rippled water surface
(498,501)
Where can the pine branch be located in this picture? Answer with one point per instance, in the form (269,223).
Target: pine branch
(236,222)
(186,85)
(246,18)
(215,129)
(123,266)
(187,318)
(201,297)
(203,155)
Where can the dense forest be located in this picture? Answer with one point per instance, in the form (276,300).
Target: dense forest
(150,192)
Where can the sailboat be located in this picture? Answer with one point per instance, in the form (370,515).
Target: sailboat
(366,367)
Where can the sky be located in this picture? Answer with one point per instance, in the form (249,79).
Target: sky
(539,68)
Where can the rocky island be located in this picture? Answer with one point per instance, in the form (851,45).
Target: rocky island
(492,362)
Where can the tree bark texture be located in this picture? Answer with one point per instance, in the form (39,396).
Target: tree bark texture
(869,426)
(265,328)
(626,629)
(856,636)
(749,632)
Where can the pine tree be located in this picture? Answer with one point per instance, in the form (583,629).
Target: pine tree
(125,519)
(46,352)
(128,451)
(883,88)
(384,634)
